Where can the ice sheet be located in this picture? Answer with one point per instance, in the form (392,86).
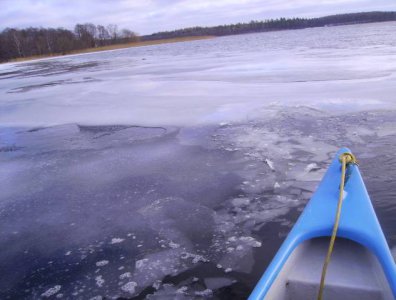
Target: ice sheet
(218,80)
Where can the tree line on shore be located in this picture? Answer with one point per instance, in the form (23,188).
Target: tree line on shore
(19,43)
(276,24)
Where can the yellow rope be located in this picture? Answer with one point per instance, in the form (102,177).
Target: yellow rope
(345,158)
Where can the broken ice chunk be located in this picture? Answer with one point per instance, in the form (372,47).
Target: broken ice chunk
(250,241)
(238,202)
(174,245)
(129,287)
(52,291)
(182,290)
(270,164)
(157,284)
(140,263)
(156,266)
(204,293)
(125,275)
(195,257)
(312,167)
(102,263)
(99,280)
(116,240)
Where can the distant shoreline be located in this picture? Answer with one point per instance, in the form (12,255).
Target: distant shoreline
(113,47)
(40,43)
(277,25)
(167,38)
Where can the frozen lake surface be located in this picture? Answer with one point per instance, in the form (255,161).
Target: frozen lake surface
(176,170)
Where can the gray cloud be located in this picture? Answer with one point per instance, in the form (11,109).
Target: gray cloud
(146,16)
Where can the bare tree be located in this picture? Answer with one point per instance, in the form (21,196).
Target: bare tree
(103,35)
(113,31)
(128,35)
(16,36)
(50,36)
(15,43)
(92,33)
(86,34)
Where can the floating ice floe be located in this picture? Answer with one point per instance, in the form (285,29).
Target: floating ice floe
(182,290)
(51,291)
(125,275)
(99,280)
(173,245)
(156,266)
(196,258)
(139,264)
(250,241)
(157,284)
(129,287)
(102,263)
(243,201)
(311,167)
(204,293)
(116,240)
(270,164)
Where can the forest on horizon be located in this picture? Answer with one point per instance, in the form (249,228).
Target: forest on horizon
(20,43)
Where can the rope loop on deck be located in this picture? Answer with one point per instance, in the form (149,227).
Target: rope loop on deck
(345,159)
(349,158)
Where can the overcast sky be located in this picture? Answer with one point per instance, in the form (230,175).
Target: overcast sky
(147,16)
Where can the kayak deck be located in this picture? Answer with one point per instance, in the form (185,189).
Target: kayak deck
(361,266)
(354,273)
